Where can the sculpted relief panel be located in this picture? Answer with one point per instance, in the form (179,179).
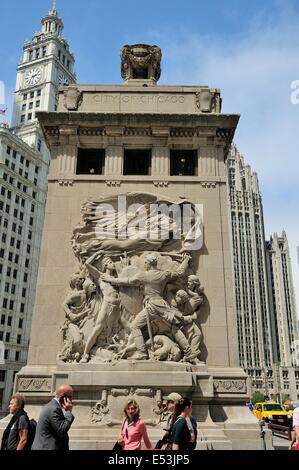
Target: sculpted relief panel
(135,295)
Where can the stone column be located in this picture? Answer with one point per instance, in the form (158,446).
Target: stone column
(207,161)
(160,162)
(65,162)
(114,160)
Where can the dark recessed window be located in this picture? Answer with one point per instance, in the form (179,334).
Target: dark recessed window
(137,162)
(183,162)
(90,162)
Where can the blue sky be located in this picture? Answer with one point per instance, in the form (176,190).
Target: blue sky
(248,49)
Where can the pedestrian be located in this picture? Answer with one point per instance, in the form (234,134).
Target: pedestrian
(250,407)
(181,434)
(296,425)
(133,429)
(16,432)
(166,443)
(55,421)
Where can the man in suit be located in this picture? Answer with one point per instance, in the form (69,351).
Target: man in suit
(55,421)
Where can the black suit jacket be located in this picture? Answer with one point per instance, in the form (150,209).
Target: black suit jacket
(52,428)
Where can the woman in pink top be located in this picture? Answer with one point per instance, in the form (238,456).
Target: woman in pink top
(133,429)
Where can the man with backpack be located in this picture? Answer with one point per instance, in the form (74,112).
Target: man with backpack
(17,434)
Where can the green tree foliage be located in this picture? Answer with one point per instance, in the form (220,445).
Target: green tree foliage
(256,397)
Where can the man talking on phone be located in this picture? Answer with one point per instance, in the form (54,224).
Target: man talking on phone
(55,421)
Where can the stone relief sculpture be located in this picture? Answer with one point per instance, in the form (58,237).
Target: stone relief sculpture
(141,61)
(135,296)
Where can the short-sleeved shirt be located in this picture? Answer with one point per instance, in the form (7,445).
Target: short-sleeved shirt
(13,438)
(181,434)
(296,417)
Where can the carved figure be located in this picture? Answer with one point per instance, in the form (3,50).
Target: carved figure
(141,61)
(78,306)
(188,325)
(110,307)
(154,282)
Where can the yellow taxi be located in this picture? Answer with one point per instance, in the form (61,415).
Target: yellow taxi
(272,411)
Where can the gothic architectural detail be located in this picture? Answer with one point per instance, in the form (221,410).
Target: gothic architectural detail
(267,330)
(141,61)
(40,384)
(230,386)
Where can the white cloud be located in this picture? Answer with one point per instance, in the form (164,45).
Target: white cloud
(254,72)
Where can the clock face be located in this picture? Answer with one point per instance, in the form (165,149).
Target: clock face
(63,80)
(33,76)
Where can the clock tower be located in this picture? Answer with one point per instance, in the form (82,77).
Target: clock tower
(46,65)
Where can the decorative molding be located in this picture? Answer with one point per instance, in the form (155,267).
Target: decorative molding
(72,98)
(184,132)
(208,184)
(34,384)
(230,386)
(138,132)
(113,184)
(65,182)
(224,134)
(161,184)
(52,131)
(92,131)
(146,392)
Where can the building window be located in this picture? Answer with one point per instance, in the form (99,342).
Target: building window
(90,161)
(19,337)
(183,162)
(9,321)
(32,94)
(4,304)
(6,354)
(24,292)
(22,309)
(24,107)
(31,105)
(25,96)
(11,305)
(17,357)
(31,55)
(29,116)
(38,93)
(3,318)
(39,143)
(2,375)
(37,53)
(137,162)
(37,104)
(7,337)
(21,323)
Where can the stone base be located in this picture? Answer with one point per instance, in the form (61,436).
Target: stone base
(219,399)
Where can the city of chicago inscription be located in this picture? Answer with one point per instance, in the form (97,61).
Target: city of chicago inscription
(139,99)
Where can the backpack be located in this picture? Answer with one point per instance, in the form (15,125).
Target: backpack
(31,434)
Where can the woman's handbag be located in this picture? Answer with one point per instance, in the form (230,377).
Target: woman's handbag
(117,446)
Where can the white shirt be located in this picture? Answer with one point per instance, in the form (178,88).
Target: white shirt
(296,417)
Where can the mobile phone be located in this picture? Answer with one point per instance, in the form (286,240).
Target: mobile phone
(63,398)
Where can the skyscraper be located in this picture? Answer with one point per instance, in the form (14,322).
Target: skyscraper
(24,161)
(283,312)
(255,301)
